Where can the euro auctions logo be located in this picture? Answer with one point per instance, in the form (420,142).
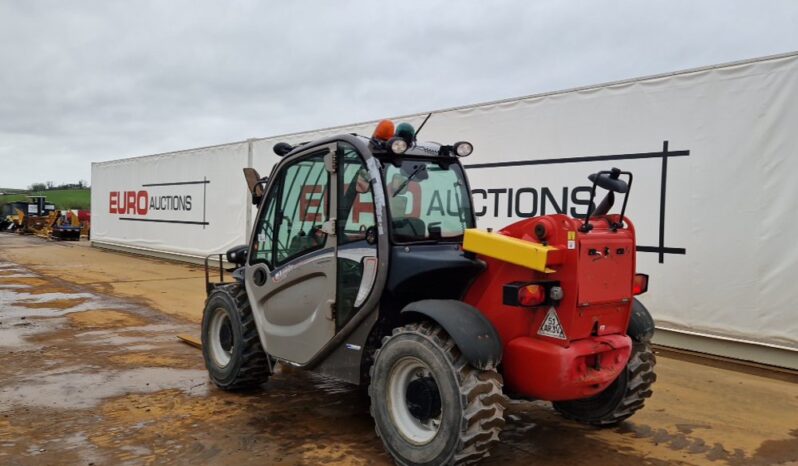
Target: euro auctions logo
(140,202)
(172,202)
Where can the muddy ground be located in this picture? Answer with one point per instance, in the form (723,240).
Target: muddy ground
(91,372)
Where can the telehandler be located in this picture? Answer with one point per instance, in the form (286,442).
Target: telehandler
(364,264)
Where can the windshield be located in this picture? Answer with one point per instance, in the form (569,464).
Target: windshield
(428,201)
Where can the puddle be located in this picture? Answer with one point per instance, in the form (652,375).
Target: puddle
(136,450)
(30,308)
(128,338)
(14,334)
(14,304)
(11,297)
(79,389)
(80,443)
(141,347)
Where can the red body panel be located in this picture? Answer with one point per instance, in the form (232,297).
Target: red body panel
(595,271)
(535,368)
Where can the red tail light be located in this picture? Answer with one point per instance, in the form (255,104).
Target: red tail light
(640,284)
(531,295)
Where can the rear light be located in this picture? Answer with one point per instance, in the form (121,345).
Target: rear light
(640,284)
(526,294)
(531,295)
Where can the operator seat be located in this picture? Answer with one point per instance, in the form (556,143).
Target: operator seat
(406,227)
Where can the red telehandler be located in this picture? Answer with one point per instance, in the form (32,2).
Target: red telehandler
(364,264)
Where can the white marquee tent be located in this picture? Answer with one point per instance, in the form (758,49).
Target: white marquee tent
(714,201)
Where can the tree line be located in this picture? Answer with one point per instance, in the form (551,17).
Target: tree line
(48,185)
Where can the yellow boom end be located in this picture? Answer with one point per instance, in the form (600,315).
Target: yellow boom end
(508,249)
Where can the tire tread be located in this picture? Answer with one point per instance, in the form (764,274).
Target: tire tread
(641,376)
(480,392)
(255,367)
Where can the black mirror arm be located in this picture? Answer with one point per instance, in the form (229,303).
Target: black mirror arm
(625,199)
(586,227)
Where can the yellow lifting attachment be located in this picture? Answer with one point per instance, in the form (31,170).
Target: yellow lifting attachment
(508,249)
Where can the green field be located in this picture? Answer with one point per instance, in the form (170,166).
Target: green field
(62,198)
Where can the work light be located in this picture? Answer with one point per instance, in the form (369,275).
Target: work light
(397,145)
(463,149)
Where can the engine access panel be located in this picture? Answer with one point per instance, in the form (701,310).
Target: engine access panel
(605,267)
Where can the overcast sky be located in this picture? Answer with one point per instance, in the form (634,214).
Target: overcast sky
(85,81)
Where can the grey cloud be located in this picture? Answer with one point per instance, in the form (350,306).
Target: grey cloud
(98,80)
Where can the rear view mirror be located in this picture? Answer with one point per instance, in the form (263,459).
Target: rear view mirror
(255,184)
(609,181)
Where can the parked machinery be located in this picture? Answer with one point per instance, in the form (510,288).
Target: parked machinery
(364,265)
(65,226)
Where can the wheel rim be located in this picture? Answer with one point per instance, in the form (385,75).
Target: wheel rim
(414,400)
(221,337)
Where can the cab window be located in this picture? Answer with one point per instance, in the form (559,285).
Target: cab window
(263,247)
(428,200)
(356,219)
(355,201)
(303,208)
(296,207)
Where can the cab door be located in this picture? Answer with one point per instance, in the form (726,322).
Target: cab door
(291,277)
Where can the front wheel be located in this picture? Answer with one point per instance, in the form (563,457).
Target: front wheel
(230,343)
(429,405)
(625,396)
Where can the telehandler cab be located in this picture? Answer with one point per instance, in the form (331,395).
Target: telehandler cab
(364,264)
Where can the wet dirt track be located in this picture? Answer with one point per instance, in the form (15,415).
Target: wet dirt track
(91,373)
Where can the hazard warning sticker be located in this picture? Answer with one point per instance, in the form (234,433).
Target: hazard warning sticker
(571,240)
(551,326)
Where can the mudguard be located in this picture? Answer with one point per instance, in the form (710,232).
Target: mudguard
(641,324)
(471,331)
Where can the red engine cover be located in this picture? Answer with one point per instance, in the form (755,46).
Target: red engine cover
(595,271)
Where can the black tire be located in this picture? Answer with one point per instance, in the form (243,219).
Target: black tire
(248,365)
(470,401)
(622,398)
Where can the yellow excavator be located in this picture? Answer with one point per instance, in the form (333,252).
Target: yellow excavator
(13,221)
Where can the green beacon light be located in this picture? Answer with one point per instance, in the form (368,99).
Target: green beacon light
(406,132)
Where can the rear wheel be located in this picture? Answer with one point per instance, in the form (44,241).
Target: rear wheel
(622,398)
(429,405)
(230,343)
